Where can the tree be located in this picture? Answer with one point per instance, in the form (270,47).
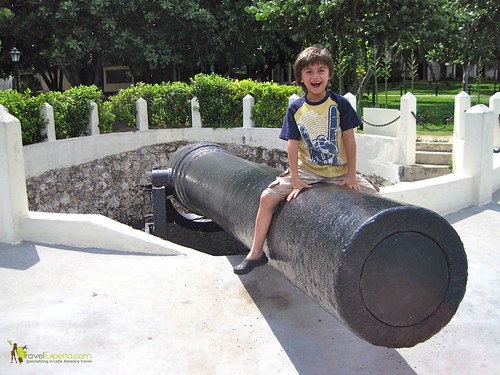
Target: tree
(78,36)
(358,25)
(469,34)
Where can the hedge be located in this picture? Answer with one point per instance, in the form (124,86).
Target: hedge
(169,105)
(27,109)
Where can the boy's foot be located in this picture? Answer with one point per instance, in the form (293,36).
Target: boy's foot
(248,265)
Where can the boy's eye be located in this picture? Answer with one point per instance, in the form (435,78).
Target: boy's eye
(319,71)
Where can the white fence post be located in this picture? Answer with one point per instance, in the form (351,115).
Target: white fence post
(352,99)
(462,104)
(495,107)
(248,103)
(292,98)
(195,113)
(141,115)
(478,151)
(13,199)
(93,126)
(47,114)
(408,129)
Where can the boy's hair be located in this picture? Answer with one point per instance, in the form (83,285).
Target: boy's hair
(316,54)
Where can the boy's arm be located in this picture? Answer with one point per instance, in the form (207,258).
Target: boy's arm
(350,148)
(293,165)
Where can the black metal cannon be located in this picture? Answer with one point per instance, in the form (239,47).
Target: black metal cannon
(393,273)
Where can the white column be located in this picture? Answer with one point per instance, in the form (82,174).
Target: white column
(352,99)
(141,115)
(478,151)
(13,196)
(93,127)
(292,98)
(195,113)
(248,103)
(47,114)
(408,130)
(462,104)
(495,107)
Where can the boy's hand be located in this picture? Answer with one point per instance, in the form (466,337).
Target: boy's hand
(351,182)
(298,185)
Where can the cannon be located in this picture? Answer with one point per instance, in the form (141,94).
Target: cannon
(393,273)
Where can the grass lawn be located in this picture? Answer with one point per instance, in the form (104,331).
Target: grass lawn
(435,113)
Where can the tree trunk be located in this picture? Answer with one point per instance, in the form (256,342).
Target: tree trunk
(72,75)
(466,61)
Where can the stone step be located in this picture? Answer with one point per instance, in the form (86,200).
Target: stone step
(435,146)
(411,173)
(433,157)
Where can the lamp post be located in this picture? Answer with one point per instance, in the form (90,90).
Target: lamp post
(15,55)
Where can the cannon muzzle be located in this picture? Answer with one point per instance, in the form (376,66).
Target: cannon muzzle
(392,273)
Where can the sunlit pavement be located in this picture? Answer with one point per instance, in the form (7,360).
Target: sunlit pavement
(92,311)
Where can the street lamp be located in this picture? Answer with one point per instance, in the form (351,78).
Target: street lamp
(15,55)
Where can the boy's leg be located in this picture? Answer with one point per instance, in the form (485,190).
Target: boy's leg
(367,186)
(256,256)
(364,184)
(277,191)
(262,222)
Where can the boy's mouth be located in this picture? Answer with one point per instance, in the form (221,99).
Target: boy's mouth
(316,84)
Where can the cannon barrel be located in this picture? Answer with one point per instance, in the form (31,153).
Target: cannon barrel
(393,273)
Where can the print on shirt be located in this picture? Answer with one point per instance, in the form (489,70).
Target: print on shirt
(323,149)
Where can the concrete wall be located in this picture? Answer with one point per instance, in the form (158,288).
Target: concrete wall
(377,156)
(114,185)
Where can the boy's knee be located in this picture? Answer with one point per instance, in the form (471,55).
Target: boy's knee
(268,201)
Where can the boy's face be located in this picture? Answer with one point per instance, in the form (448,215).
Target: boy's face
(315,77)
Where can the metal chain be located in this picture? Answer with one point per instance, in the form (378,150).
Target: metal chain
(419,121)
(381,125)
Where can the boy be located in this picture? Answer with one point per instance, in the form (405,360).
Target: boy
(319,130)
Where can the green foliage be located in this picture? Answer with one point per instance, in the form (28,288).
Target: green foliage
(78,36)
(271,102)
(342,65)
(169,105)
(72,110)
(123,105)
(412,68)
(27,109)
(219,100)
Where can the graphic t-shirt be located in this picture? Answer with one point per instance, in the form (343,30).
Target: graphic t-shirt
(318,127)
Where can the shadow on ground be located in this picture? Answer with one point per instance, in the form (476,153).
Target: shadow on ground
(12,258)
(314,340)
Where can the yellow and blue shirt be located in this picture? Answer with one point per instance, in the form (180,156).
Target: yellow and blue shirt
(318,127)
